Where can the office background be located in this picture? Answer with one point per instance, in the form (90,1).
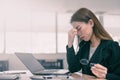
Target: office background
(40,26)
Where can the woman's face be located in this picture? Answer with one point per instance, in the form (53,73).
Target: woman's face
(84,30)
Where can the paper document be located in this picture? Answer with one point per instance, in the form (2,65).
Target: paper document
(62,71)
(15,72)
(8,77)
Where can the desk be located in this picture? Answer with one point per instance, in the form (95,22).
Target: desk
(25,75)
(75,77)
(85,77)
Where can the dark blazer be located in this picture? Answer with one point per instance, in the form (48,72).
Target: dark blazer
(107,54)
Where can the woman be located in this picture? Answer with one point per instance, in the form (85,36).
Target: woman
(95,45)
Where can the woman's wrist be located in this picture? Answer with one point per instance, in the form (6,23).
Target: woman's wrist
(69,45)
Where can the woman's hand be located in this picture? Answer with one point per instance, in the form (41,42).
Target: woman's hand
(99,71)
(71,36)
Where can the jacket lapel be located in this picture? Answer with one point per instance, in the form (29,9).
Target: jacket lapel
(97,56)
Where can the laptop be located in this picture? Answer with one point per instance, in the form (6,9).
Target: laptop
(36,68)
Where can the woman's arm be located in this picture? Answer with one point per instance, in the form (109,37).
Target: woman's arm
(114,71)
(72,60)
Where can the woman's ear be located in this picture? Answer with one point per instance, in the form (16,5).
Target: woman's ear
(91,22)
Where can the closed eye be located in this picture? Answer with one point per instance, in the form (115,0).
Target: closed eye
(78,28)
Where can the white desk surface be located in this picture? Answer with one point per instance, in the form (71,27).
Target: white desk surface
(25,75)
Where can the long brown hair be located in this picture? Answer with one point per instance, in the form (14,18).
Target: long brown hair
(84,15)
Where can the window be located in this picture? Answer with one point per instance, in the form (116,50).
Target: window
(111,23)
(63,27)
(43,32)
(30,32)
(2,33)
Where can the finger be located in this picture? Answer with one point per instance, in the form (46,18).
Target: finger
(99,70)
(74,31)
(98,74)
(98,66)
(94,72)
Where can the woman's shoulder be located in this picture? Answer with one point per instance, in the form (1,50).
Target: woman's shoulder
(110,43)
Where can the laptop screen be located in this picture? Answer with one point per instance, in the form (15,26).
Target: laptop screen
(30,62)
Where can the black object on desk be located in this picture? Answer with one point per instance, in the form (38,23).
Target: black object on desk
(3,65)
(37,78)
(52,64)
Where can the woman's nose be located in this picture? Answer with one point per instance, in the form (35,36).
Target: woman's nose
(79,33)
